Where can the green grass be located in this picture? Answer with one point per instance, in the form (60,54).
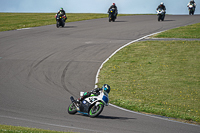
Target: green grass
(159,77)
(190,31)
(13,21)
(16,129)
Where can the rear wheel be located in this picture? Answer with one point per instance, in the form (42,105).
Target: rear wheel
(72,109)
(95,110)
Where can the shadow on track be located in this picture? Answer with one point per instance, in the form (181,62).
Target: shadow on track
(69,27)
(168,20)
(113,117)
(107,117)
(120,21)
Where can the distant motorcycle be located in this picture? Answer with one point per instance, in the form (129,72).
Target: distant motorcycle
(161,14)
(60,20)
(112,15)
(91,106)
(191,9)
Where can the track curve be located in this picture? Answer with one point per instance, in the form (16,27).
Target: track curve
(40,68)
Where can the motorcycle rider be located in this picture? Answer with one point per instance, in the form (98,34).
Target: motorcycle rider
(192,3)
(162,6)
(113,6)
(62,13)
(95,92)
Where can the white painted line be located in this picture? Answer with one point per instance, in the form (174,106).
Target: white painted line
(153,116)
(24,29)
(49,124)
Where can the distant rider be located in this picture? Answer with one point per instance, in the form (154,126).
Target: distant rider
(114,6)
(192,3)
(62,13)
(162,6)
(95,92)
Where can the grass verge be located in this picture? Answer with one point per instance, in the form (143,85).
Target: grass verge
(190,31)
(13,21)
(159,77)
(16,129)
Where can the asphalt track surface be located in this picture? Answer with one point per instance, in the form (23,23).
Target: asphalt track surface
(41,67)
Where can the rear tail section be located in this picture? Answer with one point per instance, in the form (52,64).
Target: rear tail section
(72,99)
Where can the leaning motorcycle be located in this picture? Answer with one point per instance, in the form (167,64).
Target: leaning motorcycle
(191,9)
(161,14)
(112,15)
(60,20)
(91,106)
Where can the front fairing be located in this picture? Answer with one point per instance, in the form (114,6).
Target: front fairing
(112,11)
(160,11)
(103,97)
(59,17)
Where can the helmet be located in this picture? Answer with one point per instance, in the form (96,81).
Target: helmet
(162,3)
(106,88)
(113,3)
(61,8)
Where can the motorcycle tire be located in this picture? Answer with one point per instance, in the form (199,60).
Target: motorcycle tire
(63,24)
(95,110)
(159,17)
(191,12)
(162,19)
(109,19)
(72,109)
(57,24)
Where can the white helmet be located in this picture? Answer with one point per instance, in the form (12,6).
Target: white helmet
(162,3)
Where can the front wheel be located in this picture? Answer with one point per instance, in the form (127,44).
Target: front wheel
(57,24)
(110,18)
(163,18)
(192,12)
(72,109)
(95,110)
(159,17)
(63,23)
